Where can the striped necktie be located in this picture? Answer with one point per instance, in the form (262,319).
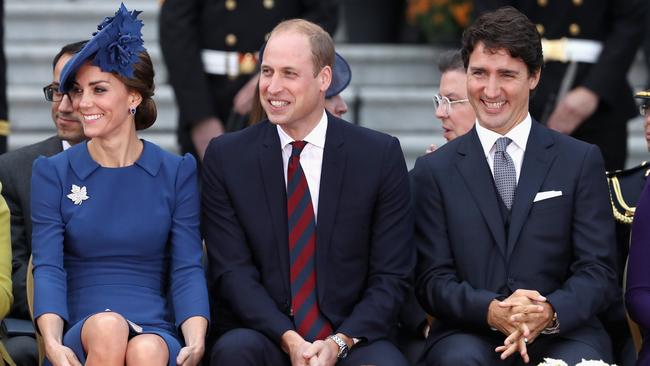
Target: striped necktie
(310,322)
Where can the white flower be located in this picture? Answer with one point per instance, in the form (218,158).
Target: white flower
(552,362)
(592,363)
(78,195)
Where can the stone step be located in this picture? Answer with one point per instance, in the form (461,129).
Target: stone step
(32,64)
(62,22)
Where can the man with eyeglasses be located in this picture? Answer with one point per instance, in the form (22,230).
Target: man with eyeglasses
(15,175)
(452,106)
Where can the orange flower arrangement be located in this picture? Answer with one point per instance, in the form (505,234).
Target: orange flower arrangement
(440,20)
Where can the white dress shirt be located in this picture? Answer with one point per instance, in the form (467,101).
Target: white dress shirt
(516,149)
(311,157)
(66,145)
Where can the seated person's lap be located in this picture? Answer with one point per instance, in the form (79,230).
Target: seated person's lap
(248,347)
(479,350)
(72,339)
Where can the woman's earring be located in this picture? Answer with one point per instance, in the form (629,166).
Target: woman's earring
(132,110)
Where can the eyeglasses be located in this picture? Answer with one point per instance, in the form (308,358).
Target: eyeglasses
(445,103)
(644,109)
(52,93)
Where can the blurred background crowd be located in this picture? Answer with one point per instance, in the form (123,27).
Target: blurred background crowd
(392,46)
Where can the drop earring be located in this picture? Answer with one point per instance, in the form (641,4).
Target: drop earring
(132,110)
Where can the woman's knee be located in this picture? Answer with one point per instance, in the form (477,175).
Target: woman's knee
(147,349)
(107,328)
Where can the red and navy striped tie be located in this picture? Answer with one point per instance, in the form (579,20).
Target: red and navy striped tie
(309,321)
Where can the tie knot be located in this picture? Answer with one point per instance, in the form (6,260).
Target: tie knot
(502,143)
(297,147)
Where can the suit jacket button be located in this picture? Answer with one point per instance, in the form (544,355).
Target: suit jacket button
(231,40)
(574,29)
(269,4)
(231,5)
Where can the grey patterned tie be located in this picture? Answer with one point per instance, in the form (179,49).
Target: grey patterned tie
(505,176)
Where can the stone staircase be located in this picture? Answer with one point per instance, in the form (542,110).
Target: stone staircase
(391,86)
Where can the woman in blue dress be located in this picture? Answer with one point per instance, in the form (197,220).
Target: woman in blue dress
(116,243)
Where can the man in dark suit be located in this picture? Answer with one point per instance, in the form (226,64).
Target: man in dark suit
(285,290)
(589,47)
(210,49)
(513,226)
(16,175)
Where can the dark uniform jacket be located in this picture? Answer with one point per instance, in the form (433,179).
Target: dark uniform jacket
(619,25)
(188,26)
(625,188)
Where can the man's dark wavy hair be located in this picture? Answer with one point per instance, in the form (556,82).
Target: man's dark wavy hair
(505,28)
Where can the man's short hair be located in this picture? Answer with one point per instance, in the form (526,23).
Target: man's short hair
(70,48)
(506,28)
(451,61)
(321,43)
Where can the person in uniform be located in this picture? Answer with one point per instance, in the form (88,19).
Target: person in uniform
(210,49)
(588,49)
(631,190)
(625,187)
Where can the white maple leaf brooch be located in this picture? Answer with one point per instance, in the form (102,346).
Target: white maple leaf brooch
(78,194)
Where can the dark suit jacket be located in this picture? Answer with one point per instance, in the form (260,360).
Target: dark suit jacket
(16,177)
(562,247)
(364,257)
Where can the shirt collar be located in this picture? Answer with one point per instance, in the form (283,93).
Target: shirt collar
(316,137)
(83,164)
(518,135)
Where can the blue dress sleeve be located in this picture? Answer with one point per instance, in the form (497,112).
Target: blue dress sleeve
(188,285)
(50,287)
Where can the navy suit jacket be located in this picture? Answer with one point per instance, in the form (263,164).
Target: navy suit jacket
(364,253)
(563,247)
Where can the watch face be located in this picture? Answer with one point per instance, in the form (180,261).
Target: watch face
(343,353)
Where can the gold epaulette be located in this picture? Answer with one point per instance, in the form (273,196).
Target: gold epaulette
(643,94)
(4,128)
(623,212)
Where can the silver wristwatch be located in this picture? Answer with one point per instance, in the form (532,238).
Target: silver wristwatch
(343,347)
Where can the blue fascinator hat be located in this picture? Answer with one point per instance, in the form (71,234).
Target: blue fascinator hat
(115,47)
(341,74)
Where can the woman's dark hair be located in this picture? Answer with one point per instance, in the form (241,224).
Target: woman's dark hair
(506,28)
(142,82)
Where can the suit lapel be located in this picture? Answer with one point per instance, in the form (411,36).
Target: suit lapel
(270,155)
(331,181)
(537,160)
(52,146)
(476,172)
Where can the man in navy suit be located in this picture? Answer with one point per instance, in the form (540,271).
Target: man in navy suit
(513,226)
(305,179)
